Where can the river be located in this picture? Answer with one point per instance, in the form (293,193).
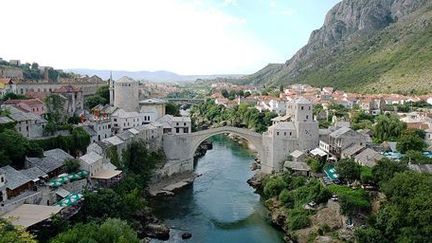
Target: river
(220,206)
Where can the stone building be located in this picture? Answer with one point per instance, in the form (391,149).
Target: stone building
(300,133)
(26,123)
(175,125)
(74,99)
(126,94)
(152,109)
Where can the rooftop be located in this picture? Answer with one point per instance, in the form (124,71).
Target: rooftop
(299,166)
(34,173)
(114,140)
(5,119)
(152,101)
(91,157)
(125,80)
(14,178)
(27,215)
(339,132)
(368,157)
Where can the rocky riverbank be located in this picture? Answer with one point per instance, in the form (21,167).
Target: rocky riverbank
(325,223)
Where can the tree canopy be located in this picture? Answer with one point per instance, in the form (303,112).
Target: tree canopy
(110,231)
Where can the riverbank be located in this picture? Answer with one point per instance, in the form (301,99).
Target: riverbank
(322,223)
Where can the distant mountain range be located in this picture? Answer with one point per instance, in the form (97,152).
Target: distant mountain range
(157,76)
(371,46)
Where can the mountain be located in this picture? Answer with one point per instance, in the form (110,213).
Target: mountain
(366,46)
(157,76)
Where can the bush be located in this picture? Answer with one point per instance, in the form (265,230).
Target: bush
(287,198)
(297,219)
(351,201)
(273,186)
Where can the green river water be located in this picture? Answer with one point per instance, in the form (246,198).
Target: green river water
(220,206)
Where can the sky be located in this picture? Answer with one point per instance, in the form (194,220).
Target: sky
(186,37)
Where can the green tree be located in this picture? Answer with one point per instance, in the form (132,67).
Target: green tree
(388,128)
(172,109)
(385,169)
(14,147)
(72,165)
(94,100)
(79,140)
(225,93)
(55,108)
(348,169)
(110,231)
(10,233)
(407,215)
(104,92)
(411,140)
(369,235)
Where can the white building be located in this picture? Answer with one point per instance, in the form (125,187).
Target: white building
(92,162)
(123,120)
(126,94)
(175,125)
(152,109)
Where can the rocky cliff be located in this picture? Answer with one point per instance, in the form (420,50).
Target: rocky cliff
(363,42)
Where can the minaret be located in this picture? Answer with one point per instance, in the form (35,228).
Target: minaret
(111,89)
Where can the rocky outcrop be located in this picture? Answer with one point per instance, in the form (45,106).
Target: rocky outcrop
(346,27)
(150,226)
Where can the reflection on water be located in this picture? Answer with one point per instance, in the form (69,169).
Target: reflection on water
(220,206)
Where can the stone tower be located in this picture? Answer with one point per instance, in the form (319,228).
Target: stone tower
(126,94)
(111,89)
(306,126)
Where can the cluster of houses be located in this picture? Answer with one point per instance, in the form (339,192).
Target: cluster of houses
(43,186)
(371,104)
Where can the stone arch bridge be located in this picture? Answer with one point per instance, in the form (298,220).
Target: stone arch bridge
(180,148)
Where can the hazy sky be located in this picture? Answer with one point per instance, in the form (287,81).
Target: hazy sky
(187,37)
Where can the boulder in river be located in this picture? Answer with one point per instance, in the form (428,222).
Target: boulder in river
(159,231)
(186,235)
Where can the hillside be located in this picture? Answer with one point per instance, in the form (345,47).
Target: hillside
(365,46)
(156,76)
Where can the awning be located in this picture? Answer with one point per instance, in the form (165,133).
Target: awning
(318,152)
(70,200)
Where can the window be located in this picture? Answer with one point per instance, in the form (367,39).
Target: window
(302,108)
(185,124)
(277,133)
(2,179)
(177,123)
(177,130)
(284,133)
(307,117)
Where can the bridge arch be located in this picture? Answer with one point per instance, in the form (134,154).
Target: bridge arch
(254,138)
(180,148)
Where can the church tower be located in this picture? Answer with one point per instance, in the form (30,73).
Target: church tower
(111,89)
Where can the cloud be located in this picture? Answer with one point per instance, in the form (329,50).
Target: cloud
(184,37)
(231,2)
